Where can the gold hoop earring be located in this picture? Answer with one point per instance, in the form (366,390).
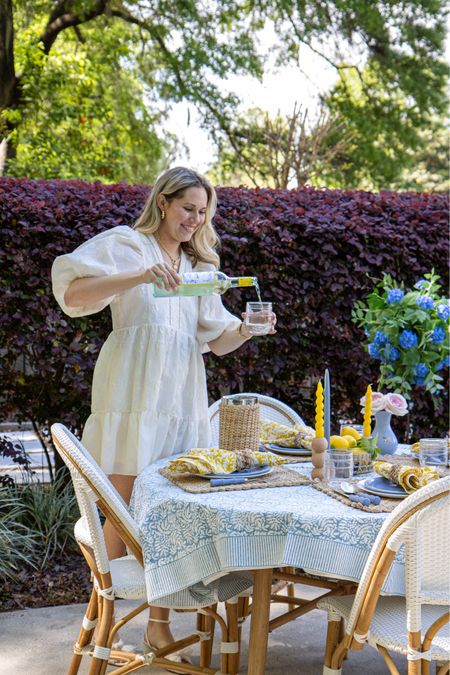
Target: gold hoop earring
(163,214)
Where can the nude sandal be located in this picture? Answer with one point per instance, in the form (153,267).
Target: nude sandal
(176,657)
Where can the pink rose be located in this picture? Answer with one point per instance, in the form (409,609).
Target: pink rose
(378,401)
(396,404)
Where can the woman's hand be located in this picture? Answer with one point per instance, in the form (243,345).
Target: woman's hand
(246,331)
(162,275)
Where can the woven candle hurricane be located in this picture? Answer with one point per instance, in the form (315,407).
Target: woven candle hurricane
(239,423)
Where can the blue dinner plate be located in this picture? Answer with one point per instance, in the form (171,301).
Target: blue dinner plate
(251,472)
(378,485)
(304,452)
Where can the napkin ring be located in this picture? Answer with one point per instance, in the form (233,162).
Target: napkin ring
(244,458)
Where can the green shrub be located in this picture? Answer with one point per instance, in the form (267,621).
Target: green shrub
(47,513)
(315,253)
(16,539)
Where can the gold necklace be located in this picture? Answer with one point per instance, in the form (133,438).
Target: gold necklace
(175,262)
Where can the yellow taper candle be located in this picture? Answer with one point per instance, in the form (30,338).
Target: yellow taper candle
(367,412)
(319,411)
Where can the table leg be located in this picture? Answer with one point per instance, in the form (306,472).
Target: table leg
(259,624)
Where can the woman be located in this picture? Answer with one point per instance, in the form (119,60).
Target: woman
(149,397)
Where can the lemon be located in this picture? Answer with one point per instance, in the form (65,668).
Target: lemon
(358,451)
(350,431)
(351,440)
(339,442)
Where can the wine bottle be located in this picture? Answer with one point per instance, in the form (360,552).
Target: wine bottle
(204,283)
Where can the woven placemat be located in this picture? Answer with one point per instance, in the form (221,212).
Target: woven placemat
(385,505)
(279,477)
(294,459)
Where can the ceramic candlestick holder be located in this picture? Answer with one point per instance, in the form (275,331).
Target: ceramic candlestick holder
(319,448)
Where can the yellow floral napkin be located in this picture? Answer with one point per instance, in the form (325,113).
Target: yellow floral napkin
(297,436)
(216,460)
(410,478)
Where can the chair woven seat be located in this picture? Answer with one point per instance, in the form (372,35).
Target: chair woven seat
(127,574)
(417,625)
(128,578)
(388,627)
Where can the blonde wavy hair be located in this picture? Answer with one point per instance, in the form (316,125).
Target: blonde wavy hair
(172,184)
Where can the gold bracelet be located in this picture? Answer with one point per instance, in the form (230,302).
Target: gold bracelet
(239,331)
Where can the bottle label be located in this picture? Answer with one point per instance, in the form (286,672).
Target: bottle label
(194,278)
(245,281)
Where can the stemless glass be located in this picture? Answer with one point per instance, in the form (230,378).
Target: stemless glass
(342,463)
(258,317)
(433,452)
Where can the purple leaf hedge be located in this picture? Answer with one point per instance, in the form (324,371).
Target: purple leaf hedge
(315,253)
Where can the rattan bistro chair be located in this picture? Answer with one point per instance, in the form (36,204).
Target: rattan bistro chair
(124,578)
(410,626)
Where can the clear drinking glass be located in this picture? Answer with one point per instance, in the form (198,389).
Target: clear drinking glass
(433,452)
(342,463)
(328,466)
(258,317)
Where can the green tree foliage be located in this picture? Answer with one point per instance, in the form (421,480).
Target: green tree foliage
(281,151)
(82,112)
(391,134)
(388,101)
(85,82)
(428,170)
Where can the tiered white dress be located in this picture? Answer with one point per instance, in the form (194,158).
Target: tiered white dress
(149,397)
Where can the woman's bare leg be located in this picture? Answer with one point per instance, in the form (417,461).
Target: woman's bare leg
(158,634)
(114,544)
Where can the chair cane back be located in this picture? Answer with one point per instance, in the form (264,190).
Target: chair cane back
(124,578)
(411,625)
(271,410)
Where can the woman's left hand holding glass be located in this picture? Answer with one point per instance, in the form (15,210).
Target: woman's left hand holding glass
(273,321)
(247,332)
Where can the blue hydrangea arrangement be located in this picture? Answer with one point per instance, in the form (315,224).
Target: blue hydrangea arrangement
(408,332)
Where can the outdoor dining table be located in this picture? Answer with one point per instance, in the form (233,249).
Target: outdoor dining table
(187,538)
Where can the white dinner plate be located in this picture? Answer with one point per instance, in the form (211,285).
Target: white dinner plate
(279,450)
(251,472)
(378,485)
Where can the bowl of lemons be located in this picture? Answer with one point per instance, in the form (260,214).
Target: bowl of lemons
(364,449)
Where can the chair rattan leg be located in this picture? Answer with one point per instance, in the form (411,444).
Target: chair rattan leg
(99,663)
(291,589)
(443,670)
(415,641)
(341,636)
(242,614)
(333,633)
(206,624)
(233,637)
(224,635)
(339,654)
(388,659)
(85,634)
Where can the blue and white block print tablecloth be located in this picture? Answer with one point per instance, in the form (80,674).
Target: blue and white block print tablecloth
(189,537)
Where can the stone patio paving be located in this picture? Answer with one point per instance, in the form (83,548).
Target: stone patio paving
(39,642)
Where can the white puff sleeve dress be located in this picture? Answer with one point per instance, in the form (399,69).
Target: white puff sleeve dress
(149,397)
